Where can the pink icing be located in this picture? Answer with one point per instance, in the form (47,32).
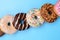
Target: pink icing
(57,7)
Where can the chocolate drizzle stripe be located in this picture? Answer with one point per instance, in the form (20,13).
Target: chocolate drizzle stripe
(16,23)
(21,16)
(15,19)
(24,16)
(20,27)
(24,24)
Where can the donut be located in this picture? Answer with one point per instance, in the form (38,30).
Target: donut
(48,13)
(57,8)
(20,22)
(34,18)
(6,24)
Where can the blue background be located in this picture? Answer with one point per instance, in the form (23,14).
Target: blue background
(48,31)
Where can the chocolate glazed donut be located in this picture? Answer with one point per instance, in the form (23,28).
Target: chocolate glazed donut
(47,12)
(20,22)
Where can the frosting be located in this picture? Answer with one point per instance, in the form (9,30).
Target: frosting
(34,18)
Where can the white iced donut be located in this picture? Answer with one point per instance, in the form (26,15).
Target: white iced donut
(34,18)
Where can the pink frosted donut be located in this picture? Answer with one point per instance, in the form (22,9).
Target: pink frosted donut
(57,8)
(6,24)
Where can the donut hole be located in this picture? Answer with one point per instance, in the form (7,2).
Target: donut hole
(8,24)
(35,17)
(21,21)
(49,12)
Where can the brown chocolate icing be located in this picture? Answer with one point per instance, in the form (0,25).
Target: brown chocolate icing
(20,22)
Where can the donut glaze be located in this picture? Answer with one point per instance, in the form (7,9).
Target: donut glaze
(6,24)
(48,13)
(20,22)
(34,18)
(57,8)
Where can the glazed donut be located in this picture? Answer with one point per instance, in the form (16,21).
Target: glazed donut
(47,12)
(57,8)
(20,22)
(6,24)
(34,18)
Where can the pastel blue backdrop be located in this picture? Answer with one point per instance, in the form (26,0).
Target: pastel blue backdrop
(47,31)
